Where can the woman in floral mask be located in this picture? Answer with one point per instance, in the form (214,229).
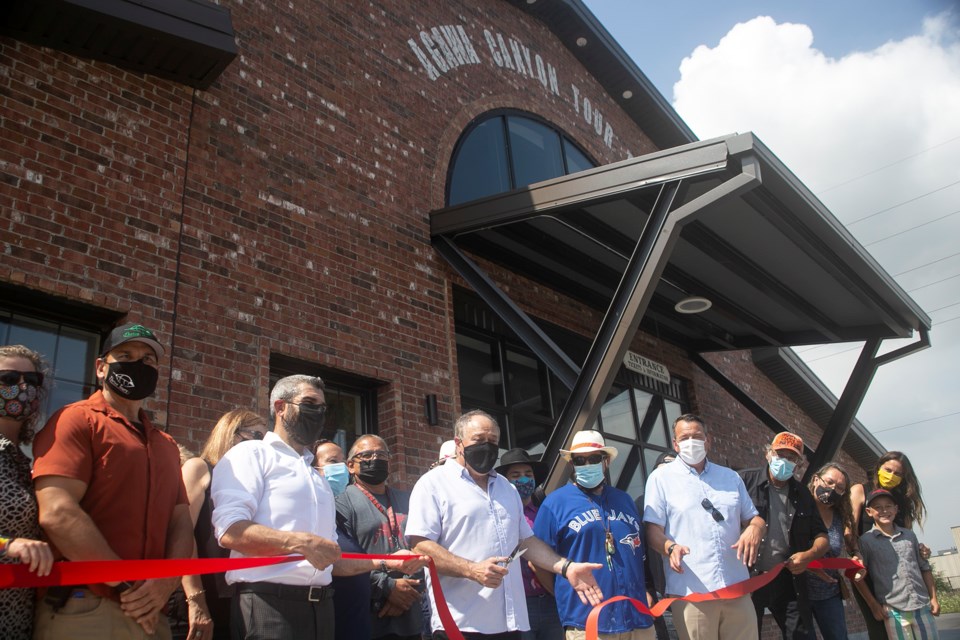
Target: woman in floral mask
(895,474)
(21,394)
(830,487)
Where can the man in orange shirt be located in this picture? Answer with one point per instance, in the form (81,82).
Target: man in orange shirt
(109,488)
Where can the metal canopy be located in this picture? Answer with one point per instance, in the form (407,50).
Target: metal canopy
(721,219)
(779,269)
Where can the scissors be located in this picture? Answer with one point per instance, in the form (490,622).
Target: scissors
(517,552)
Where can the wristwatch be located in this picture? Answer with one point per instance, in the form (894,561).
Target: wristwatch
(670,549)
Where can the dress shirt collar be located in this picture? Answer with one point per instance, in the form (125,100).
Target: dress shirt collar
(454,468)
(877,531)
(690,469)
(272,439)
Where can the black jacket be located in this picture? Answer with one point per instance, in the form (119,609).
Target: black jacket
(807,523)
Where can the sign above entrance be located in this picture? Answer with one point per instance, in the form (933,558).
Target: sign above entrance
(645,366)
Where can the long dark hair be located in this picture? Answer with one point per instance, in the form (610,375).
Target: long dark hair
(842,508)
(908,489)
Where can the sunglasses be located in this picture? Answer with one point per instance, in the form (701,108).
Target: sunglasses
(706,504)
(596,458)
(371,455)
(10,377)
(250,434)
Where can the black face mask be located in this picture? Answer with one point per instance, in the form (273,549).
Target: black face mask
(826,495)
(481,457)
(308,423)
(131,380)
(374,471)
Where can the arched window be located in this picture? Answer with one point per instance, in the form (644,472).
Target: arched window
(504,151)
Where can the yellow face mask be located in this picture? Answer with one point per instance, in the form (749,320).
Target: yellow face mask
(888,480)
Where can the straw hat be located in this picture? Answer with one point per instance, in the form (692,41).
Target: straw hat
(587,442)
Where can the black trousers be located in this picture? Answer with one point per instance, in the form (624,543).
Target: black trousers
(262,616)
(792,614)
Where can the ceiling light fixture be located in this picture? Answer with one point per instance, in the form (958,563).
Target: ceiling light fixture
(581,41)
(627,94)
(693,304)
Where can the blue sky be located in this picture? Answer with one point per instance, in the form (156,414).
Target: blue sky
(859,98)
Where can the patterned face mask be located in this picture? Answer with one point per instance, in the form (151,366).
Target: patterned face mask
(19,401)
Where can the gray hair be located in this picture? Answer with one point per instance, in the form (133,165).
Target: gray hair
(465,419)
(367,436)
(287,388)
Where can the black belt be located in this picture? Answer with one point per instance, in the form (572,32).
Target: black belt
(287,591)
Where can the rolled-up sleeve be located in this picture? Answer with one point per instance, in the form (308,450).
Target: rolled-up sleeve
(236,488)
(424,519)
(655,503)
(747,509)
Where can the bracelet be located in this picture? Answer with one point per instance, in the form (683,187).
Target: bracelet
(566,565)
(383,567)
(193,597)
(4,543)
(670,549)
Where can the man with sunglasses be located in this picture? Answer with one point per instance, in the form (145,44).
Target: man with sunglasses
(590,521)
(699,516)
(795,536)
(109,488)
(375,514)
(269,500)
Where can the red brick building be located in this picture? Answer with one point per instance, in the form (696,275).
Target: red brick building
(285,187)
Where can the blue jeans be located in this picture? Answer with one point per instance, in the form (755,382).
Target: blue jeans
(544,619)
(829,616)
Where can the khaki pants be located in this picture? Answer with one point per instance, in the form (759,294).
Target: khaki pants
(634,634)
(86,616)
(715,619)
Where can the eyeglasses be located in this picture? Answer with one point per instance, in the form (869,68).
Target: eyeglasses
(308,406)
(579,461)
(371,455)
(250,434)
(832,484)
(10,377)
(706,504)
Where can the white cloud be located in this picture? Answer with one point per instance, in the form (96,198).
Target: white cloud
(832,120)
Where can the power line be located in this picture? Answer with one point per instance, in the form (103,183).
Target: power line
(926,264)
(887,166)
(946,306)
(916,226)
(910,424)
(930,284)
(900,204)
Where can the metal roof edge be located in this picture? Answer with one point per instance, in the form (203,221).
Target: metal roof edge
(668,129)
(777,362)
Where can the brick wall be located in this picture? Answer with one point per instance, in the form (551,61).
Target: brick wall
(286,209)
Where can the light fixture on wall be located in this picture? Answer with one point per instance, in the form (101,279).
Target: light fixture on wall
(693,304)
(430,405)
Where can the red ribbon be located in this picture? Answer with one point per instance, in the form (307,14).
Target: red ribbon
(727,593)
(97,571)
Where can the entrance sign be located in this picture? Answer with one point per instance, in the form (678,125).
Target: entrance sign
(645,366)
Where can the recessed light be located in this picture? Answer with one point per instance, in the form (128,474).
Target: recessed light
(693,304)
(581,41)
(627,94)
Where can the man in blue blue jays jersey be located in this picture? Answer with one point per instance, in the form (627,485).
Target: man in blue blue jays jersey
(590,521)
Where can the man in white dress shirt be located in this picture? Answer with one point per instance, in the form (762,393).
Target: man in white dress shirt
(268,500)
(469,520)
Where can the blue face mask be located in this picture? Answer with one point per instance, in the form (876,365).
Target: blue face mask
(781,468)
(589,476)
(525,486)
(337,477)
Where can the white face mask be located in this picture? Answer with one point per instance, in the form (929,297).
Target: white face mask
(693,451)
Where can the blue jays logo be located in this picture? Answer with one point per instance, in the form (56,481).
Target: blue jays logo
(633,541)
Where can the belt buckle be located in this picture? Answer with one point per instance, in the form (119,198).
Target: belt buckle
(315,598)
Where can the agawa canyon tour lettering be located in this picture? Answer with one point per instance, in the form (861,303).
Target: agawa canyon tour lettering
(445,48)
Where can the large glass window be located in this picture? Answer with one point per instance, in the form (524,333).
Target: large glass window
(499,375)
(65,333)
(504,151)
